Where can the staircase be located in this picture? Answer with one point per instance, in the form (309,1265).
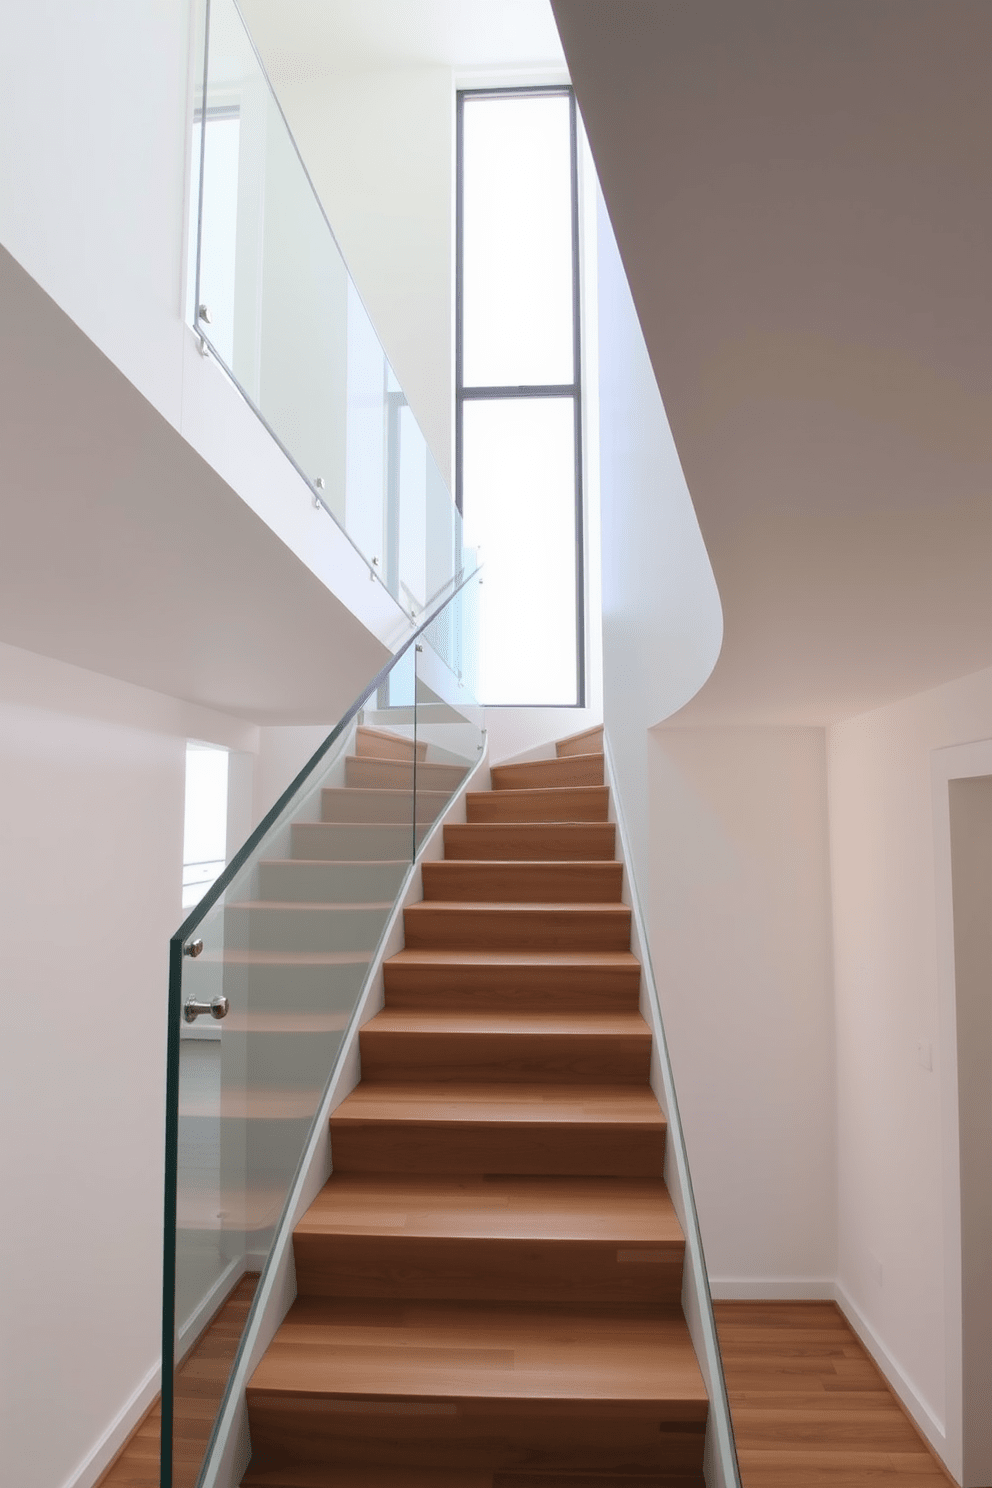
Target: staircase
(489,1285)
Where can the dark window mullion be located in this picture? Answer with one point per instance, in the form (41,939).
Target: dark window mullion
(536,390)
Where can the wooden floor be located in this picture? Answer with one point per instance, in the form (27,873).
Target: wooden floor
(810,1409)
(202,1378)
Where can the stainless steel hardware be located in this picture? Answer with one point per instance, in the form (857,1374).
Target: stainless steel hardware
(318,486)
(217,1007)
(203,313)
(193,948)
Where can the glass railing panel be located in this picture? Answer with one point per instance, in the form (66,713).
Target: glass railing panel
(282,957)
(450,721)
(276,304)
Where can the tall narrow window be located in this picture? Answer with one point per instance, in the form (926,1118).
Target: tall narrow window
(518,415)
(205,823)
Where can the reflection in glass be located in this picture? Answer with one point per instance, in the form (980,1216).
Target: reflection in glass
(286,319)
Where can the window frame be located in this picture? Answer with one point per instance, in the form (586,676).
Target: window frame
(571,390)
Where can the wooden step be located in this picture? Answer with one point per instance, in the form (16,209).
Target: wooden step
(589,741)
(540,841)
(299,928)
(342,803)
(577,803)
(550,1387)
(613,1131)
(520,1047)
(543,981)
(369,841)
(375,1475)
(342,882)
(384,774)
(372,743)
(522,882)
(576,769)
(356,1475)
(539,927)
(492,1239)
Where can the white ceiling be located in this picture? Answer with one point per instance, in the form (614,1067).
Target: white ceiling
(305,39)
(801,196)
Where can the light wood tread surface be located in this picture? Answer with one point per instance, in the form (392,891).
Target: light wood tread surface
(621,1211)
(594,1025)
(352,1475)
(502,1104)
(605,961)
(466,1351)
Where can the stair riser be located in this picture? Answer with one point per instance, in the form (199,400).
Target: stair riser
(583,841)
(305,988)
(371,774)
(352,841)
(428,926)
(590,743)
(488,1270)
(577,1149)
(544,774)
(340,804)
(538,883)
(581,804)
(523,1057)
(369,745)
(537,988)
(331,883)
(308,929)
(589,1436)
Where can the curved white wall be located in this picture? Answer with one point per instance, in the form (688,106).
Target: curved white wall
(662,621)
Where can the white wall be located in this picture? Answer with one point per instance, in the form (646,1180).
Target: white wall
(662,623)
(896,1168)
(739,922)
(92,782)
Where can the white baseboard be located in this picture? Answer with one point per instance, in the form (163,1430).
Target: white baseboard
(99,1458)
(773,1289)
(923,1415)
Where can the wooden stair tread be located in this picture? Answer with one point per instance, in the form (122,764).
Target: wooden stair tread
(308,906)
(503,1104)
(571,740)
(455,1351)
(596,1025)
(624,960)
(354,1475)
(622,1211)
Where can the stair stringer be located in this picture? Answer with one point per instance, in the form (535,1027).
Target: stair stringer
(229,1451)
(720,1467)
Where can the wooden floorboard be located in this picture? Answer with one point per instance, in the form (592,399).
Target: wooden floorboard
(200,1386)
(809,1407)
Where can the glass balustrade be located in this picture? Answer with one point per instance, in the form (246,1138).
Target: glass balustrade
(268,972)
(277,306)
